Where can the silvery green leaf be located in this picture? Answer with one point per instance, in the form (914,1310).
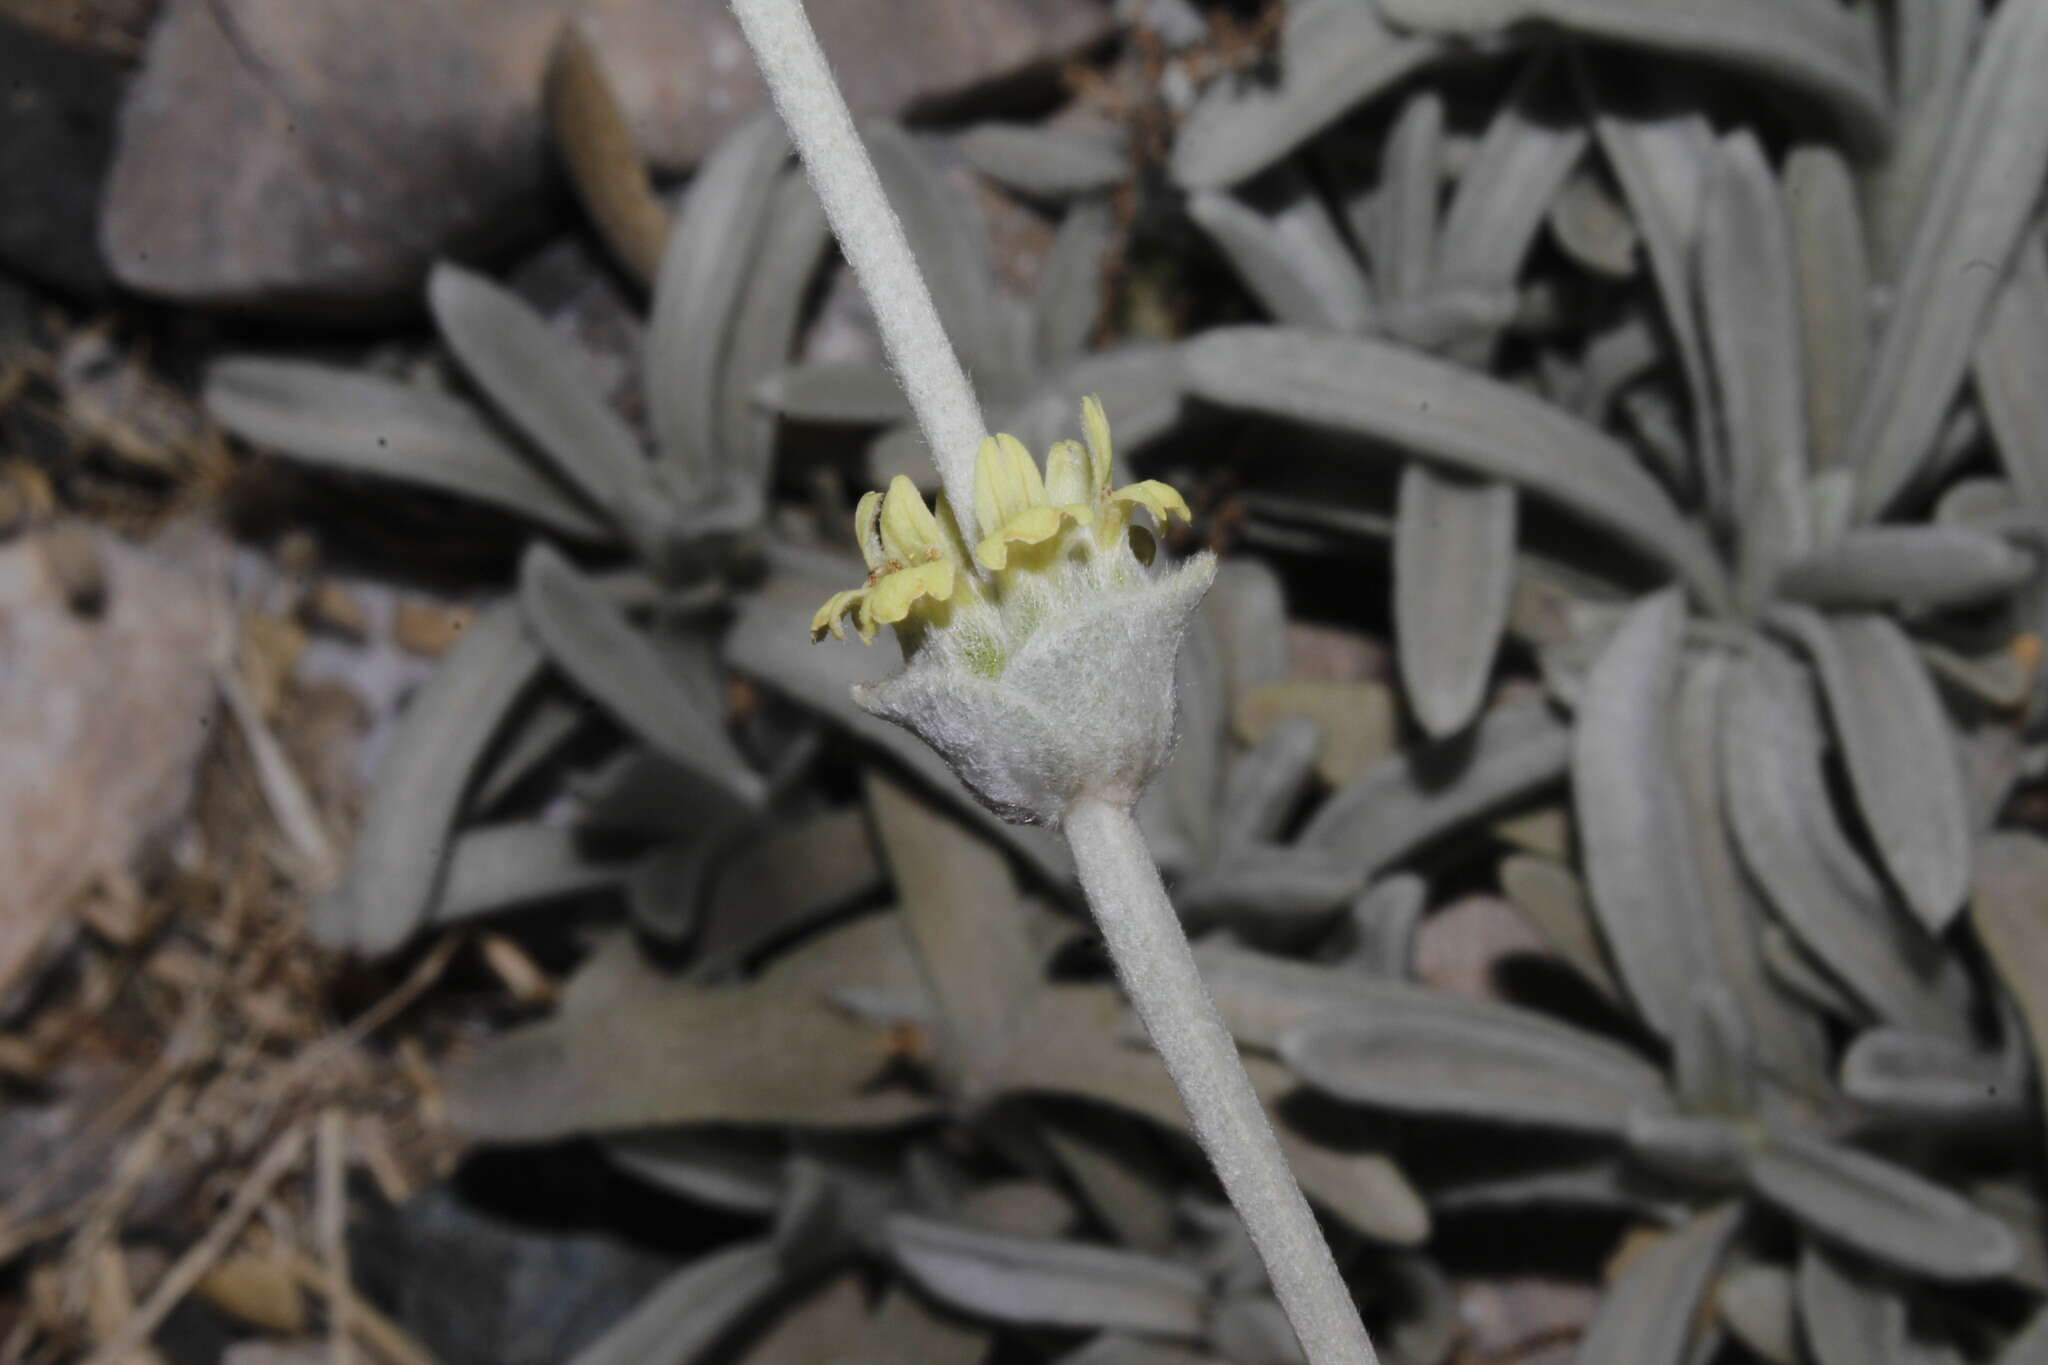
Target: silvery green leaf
(1252,1329)
(1440,412)
(791,875)
(1900,754)
(1248,608)
(696,292)
(665,895)
(1069,298)
(1834,292)
(969,931)
(1934,1078)
(535,377)
(1048,163)
(1112,1160)
(849,392)
(1077,1048)
(2012,375)
(1817,50)
(1983,502)
(1551,896)
(1933,43)
(1650,1315)
(2029,1345)
(764,328)
(2002,679)
(1593,227)
(950,242)
(1788,1041)
(1507,187)
(1471,1067)
(1712,1053)
(1884,1211)
(1404,802)
(725,1168)
(1269,888)
(1991,166)
(443,732)
(1615,358)
(1661,154)
(692,1310)
(590,640)
(1847,1317)
(1384,918)
(520,862)
(1698,1153)
(1608,1184)
(1266,783)
(1139,384)
(1760,1306)
(2011,918)
(362,424)
(1292,259)
(1178,811)
(1334,55)
(535,738)
(1782,814)
(1640,863)
(1043,1282)
(1405,209)
(1750,308)
(656,1051)
(1794,967)
(1914,566)
(1454,568)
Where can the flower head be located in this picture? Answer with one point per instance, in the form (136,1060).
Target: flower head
(1041,665)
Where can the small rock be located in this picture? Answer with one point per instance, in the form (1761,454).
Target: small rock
(1457,948)
(333,607)
(1318,653)
(57,108)
(429,628)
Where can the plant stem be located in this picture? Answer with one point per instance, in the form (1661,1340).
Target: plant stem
(1159,974)
(872,240)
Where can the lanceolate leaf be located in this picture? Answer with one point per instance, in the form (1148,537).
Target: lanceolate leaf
(1880,1209)
(703,272)
(590,640)
(853,392)
(1650,1316)
(1454,562)
(1070,283)
(1047,1283)
(946,234)
(1640,864)
(1934,1078)
(1507,188)
(1913,566)
(1293,259)
(499,867)
(2012,375)
(763,330)
(1760,1305)
(1404,802)
(1411,184)
(362,424)
(1834,293)
(2009,910)
(1554,899)
(1047,163)
(691,1310)
(1985,187)
(1333,55)
(1848,1318)
(1900,754)
(1439,412)
(1934,41)
(441,736)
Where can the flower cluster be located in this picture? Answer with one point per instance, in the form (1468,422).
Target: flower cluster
(1041,663)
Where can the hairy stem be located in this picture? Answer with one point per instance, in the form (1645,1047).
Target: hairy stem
(1159,974)
(872,240)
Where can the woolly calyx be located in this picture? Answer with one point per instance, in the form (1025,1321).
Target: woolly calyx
(1041,667)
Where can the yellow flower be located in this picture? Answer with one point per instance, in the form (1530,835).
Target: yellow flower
(911,558)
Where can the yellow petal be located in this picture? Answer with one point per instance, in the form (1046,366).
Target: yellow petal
(1160,498)
(1006,481)
(865,518)
(1066,475)
(1033,527)
(1095,426)
(909,531)
(836,606)
(897,592)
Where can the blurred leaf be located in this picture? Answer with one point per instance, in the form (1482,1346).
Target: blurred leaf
(1834,293)
(1848,1319)
(1782,814)
(968,929)
(2009,911)
(692,1310)
(1265,785)
(1641,864)
(1292,259)
(696,297)
(1714,1068)
(1900,754)
(442,734)
(1047,163)
(1594,227)
(1252,1329)
(535,738)
(1650,1316)
(1934,1078)
(2012,375)
(1070,283)
(366,425)
(1985,185)
(1758,1304)
(2029,1345)
(764,329)
(1406,207)
(590,640)
(1439,412)
(1881,1210)
(1384,918)
(1404,802)
(733,1169)
(1925,567)
(519,862)
(1268,888)
(1933,42)
(1118,1169)
(596,145)
(1042,1282)
(1454,563)
(1550,895)
(1355,721)
(1507,188)
(849,392)
(1334,55)
(534,375)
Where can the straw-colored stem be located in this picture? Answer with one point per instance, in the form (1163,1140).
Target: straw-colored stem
(872,240)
